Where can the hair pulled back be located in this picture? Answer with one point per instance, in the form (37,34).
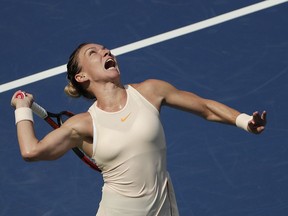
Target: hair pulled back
(74,89)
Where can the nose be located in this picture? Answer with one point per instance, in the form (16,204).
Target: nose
(105,52)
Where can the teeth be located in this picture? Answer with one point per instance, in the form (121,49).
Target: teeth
(108,60)
(110,64)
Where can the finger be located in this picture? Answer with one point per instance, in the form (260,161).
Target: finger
(15,97)
(29,96)
(256,117)
(251,124)
(260,129)
(264,115)
(255,129)
(23,94)
(20,96)
(260,120)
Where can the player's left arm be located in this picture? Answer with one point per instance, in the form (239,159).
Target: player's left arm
(208,109)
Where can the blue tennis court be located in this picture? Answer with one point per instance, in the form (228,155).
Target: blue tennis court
(242,61)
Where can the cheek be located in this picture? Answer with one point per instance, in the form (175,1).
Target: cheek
(92,67)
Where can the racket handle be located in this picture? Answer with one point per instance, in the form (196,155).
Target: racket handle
(39,111)
(36,108)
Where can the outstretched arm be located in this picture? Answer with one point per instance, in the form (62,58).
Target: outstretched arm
(209,109)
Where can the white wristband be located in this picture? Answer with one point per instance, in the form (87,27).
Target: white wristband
(242,121)
(23,113)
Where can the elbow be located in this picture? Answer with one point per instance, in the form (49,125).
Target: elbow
(30,156)
(37,155)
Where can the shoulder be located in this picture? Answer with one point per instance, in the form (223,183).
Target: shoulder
(158,88)
(81,123)
(148,83)
(81,117)
(152,86)
(154,90)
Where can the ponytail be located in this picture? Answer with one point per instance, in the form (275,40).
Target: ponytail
(71,91)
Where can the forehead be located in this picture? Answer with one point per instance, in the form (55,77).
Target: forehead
(84,49)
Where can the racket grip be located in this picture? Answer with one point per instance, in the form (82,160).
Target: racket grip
(36,108)
(39,111)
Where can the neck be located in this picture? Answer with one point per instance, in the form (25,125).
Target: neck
(111,97)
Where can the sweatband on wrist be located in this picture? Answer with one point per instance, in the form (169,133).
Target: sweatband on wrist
(23,113)
(242,121)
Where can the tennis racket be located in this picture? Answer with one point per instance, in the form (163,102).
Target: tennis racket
(55,120)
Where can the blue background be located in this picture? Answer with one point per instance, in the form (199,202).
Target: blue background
(217,170)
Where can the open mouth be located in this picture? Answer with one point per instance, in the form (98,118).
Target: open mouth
(110,64)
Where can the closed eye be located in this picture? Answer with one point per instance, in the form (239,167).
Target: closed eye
(92,52)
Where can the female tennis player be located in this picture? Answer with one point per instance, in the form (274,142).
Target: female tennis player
(122,132)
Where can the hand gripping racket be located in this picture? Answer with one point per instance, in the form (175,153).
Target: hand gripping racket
(59,120)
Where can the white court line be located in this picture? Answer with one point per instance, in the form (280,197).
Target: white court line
(150,41)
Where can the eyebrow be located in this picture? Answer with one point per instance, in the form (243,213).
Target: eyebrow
(88,49)
(102,47)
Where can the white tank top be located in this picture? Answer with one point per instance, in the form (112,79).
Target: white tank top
(129,147)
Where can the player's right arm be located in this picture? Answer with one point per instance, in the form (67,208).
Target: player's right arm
(52,146)
(56,143)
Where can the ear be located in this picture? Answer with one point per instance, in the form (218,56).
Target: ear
(81,77)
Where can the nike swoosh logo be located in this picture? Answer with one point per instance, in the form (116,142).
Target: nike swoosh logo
(125,118)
